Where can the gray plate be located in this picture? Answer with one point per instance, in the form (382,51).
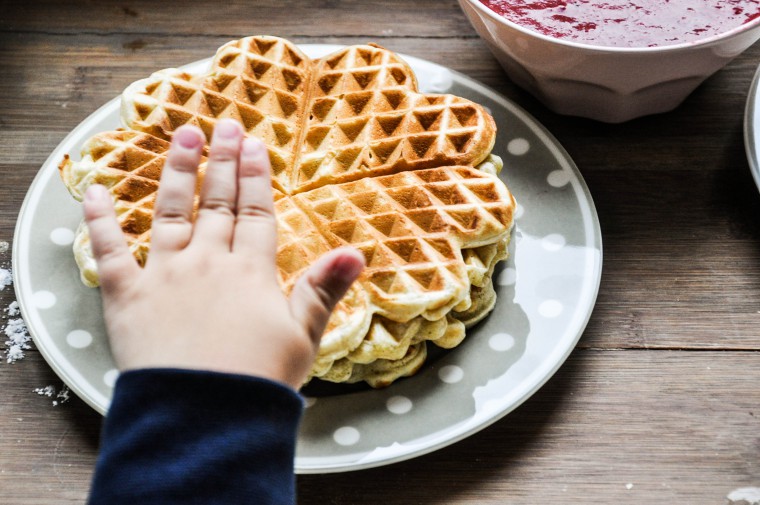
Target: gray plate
(546,292)
(752,128)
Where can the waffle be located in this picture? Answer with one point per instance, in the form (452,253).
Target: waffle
(380,373)
(129,164)
(411,228)
(352,114)
(312,223)
(430,225)
(385,354)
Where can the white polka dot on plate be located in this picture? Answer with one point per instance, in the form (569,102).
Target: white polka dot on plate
(558,178)
(347,435)
(451,374)
(550,308)
(501,342)
(62,236)
(109,378)
(507,277)
(79,339)
(518,147)
(43,299)
(553,242)
(398,404)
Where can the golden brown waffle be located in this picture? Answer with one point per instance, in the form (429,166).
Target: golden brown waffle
(411,228)
(383,217)
(383,354)
(333,127)
(379,373)
(482,293)
(129,164)
(382,373)
(351,114)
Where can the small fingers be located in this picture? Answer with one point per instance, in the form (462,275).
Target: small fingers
(173,213)
(256,228)
(322,286)
(115,263)
(216,214)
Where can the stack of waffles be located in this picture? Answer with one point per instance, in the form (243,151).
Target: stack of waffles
(360,158)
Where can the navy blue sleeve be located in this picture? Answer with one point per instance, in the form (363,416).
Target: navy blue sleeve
(186,437)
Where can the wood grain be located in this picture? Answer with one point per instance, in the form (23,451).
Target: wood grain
(320,18)
(607,419)
(660,402)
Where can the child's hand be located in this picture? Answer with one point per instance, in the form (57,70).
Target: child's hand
(208,297)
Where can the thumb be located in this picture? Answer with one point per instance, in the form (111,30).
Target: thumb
(322,286)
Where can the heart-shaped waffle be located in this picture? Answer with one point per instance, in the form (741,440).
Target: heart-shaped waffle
(352,114)
(359,158)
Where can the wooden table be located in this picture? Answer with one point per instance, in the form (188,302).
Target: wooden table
(659,403)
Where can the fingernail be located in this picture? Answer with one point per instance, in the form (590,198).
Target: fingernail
(188,138)
(227,129)
(95,192)
(348,267)
(252,146)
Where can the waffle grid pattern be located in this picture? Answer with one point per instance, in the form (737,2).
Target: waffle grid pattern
(349,115)
(411,227)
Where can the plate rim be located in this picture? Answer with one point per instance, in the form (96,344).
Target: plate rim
(751,115)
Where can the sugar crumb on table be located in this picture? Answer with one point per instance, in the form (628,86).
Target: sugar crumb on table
(6,279)
(59,396)
(13,327)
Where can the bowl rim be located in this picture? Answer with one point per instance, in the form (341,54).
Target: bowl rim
(712,40)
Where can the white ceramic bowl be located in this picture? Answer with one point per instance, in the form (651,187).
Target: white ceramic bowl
(610,84)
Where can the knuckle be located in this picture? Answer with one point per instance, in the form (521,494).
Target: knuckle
(224,149)
(223,154)
(324,297)
(111,263)
(115,284)
(108,253)
(182,162)
(219,205)
(164,215)
(97,213)
(255,168)
(255,211)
